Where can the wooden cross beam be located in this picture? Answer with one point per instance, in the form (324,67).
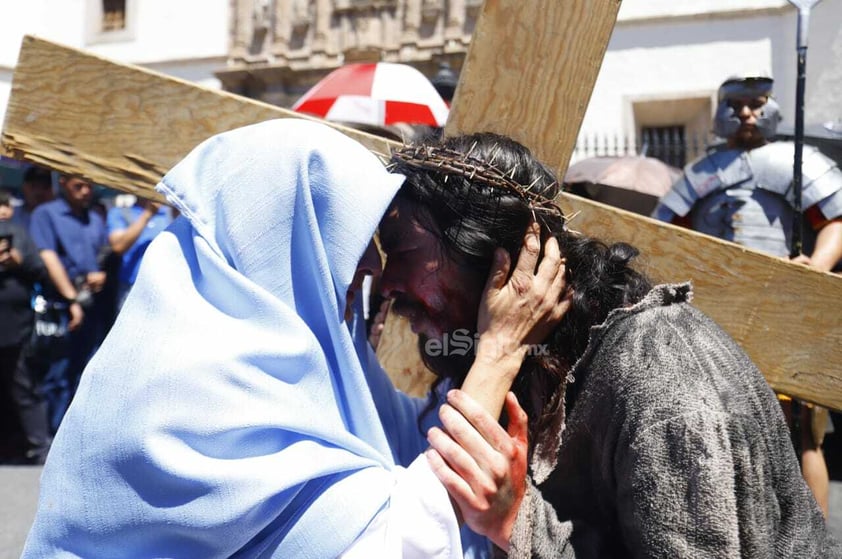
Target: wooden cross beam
(528,74)
(119,125)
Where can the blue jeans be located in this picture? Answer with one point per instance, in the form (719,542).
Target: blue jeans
(65,362)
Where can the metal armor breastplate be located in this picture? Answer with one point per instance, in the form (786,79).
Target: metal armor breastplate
(767,168)
(750,216)
(753,204)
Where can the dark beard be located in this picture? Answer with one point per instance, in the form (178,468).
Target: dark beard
(402,306)
(452,366)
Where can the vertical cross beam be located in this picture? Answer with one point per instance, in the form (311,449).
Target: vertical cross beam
(530,71)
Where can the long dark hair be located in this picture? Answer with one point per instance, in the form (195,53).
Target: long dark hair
(473,218)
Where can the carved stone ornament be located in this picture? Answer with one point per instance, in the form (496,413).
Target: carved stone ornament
(261,15)
(473,7)
(430,10)
(301,17)
(364,5)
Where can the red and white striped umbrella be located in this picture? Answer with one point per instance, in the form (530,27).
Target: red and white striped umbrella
(381,94)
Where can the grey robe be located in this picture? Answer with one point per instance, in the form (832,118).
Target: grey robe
(674,447)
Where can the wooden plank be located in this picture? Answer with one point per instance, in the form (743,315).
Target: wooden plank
(529,74)
(516,81)
(398,353)
(530,71)
(116,124)
(123,127)
(782,314)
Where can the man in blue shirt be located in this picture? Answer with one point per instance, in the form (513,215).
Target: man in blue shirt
(37,188)
(71,239)
(130,230)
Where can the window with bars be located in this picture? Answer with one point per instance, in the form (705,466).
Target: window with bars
(113,15)
(665,143)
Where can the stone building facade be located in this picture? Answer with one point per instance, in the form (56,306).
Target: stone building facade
(656,91)
(280,48)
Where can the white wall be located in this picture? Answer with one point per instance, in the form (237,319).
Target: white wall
(824,63)
(656,9)
(172,30)
(161,29)
(58,20)
(199,72)
(675,59)
(660,49)
(679,49)
(184,38)
(5,89)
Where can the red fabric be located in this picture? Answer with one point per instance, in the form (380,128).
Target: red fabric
(353,79)
(357,80)
(816,218)
(412,113)
(317,107)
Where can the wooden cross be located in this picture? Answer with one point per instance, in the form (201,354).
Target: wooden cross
(528,74)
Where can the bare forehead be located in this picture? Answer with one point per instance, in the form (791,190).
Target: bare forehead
(76,181)
(400,227)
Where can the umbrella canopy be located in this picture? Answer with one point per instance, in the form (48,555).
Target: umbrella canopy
(379,94)
(633,183)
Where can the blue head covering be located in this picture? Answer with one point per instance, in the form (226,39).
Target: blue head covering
(227,413)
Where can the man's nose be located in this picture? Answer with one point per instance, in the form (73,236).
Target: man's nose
(371,264)
(390,284)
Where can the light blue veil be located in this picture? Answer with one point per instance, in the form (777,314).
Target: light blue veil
(227,413)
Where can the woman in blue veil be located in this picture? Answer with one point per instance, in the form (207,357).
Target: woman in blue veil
(230,412)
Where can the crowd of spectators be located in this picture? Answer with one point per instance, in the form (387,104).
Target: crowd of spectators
(68,258)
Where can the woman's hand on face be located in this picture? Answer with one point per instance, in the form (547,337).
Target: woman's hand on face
(524,309)
(482,466)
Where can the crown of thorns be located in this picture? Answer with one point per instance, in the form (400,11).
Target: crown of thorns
(450,162)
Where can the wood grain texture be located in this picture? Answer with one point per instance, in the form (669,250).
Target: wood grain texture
(123,127)
(116,124)
(784,315)
(398,353)
(530,71)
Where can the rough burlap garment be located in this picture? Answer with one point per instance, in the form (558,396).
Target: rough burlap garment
(674,447)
